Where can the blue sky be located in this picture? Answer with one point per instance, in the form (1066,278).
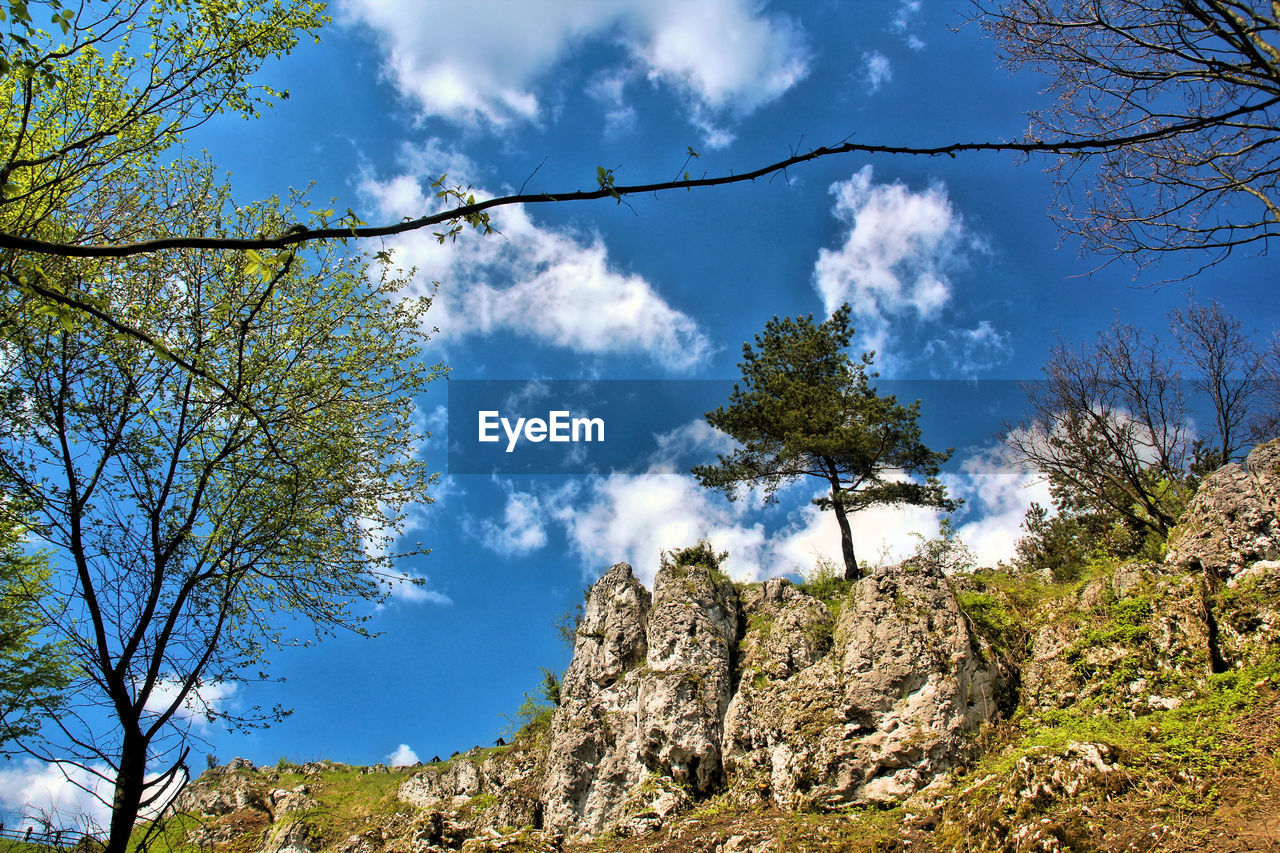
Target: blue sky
(953,268)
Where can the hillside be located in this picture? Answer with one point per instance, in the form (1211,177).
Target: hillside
(915,709)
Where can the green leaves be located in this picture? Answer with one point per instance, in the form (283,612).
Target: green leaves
(234,470)
(606,179)
(460,197)
(33,672)
(266,267)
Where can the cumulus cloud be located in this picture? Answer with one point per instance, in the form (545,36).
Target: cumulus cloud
(876,70)
(906,10)
(626,517)
(694,439)
(202,705)
(522,529)
(896,253)
(635,517)
(881,535)
(74,796)
(554,287)
(997,498)
(610,92)
(468,65)
(410,588)
(403,756)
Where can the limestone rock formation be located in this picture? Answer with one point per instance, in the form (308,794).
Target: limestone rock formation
(1231,522)
(876,719)
(768,695)
(595,732)
(831,695)
(645,693)
(507,782)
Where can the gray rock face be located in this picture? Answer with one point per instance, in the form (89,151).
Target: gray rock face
(644,695)
(509,780)
(793,631)
(688,679)
(595,732)
(768,695)
(1232,522)
(611,639)
(877,718)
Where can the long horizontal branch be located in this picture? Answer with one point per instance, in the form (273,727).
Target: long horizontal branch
(302,234)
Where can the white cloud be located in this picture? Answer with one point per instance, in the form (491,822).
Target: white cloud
(696,437)
(881,535)
(997,497)
(610,92)
(996,500)
(876,70)
(75,796)
(403,756)
(895,255)
(203,702)
(465,63)
(522,529)
(968,352)
(632,518)
(410,588)
(550,286)
(906,10)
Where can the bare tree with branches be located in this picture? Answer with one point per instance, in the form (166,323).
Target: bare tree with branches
(1118,426)
(1229,371)
(1188,93)
(1110,423)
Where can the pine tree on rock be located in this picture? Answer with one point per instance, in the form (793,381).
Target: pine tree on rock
(805,408)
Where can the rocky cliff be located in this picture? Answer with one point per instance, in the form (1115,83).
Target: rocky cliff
(995,711)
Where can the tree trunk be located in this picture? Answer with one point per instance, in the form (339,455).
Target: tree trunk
(851,570)
(128,795)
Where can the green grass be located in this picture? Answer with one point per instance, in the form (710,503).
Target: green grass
(172,835)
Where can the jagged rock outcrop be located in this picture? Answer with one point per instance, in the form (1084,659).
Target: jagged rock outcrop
(687,680)
(1142,623)
(507,783)
(835,694)
(595,731)
(769,695)
(876,719)
(645,694)
(1231,522)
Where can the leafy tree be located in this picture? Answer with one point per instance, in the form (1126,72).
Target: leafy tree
(1065,541)
(33,673)
(191,534)
(804,408)
(112,87)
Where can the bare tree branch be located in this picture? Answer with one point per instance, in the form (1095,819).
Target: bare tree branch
(475,212)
